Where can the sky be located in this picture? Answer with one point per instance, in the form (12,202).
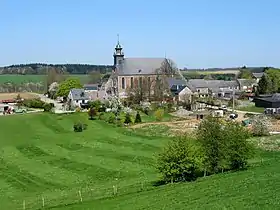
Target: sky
(193,33)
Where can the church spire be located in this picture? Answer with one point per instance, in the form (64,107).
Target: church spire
(118,54)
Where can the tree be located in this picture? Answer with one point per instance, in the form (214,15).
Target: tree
(92,113)
(260,125)
(127,119)
(239,149)
(138,118)
(245,74)
(67,85)
(265,85)
(181,160)
(211,137)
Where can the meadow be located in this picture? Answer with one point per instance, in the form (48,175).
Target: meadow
(45,163)
(18,79)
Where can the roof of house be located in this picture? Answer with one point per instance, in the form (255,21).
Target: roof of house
(140,66)
(246,82)
(258,75)
(79,94)
(211,84)
(173,81)
(273,98)
(90,86)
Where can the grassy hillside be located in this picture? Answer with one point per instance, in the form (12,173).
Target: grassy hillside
(257,188)
(17,79)
(43,161)
(42,157)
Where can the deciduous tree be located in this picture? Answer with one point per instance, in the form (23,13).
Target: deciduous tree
(67,85)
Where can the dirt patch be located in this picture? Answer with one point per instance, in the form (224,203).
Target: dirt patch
(25,95)
(181,126)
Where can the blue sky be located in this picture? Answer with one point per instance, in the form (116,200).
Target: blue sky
(194,33)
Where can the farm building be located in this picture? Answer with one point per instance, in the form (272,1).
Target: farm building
(268,101)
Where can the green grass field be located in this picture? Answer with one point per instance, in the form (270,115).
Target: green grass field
(18,79)
(252,109)
(44,161)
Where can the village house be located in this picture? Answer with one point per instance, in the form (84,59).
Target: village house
(78,97)
(258,76)
(247,85)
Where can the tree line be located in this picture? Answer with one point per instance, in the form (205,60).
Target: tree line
(41,68)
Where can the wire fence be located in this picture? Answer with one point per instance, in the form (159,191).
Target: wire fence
(73,196)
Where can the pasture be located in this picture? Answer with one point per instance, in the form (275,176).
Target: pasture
(19,79)
(44,163)
(42,158)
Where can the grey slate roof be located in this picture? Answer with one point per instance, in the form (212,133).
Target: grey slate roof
(258,75)
(173,81)
(79,94)
(91,86)
(211,84)
(246,82)
(140,66)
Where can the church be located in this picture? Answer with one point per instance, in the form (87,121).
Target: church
(129,72)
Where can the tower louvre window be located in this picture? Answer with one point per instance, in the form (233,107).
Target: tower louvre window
(131,82)
(123,83)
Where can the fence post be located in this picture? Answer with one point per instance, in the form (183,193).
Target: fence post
(80,194)
(43,202)
(23,205)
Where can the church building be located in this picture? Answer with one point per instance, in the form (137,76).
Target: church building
(129,72)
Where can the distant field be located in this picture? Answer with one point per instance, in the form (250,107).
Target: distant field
(211,72)
(17,79)
(26,95)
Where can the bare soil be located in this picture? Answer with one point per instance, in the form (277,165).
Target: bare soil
(25,95)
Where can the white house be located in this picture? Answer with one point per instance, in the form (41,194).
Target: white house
(77,97)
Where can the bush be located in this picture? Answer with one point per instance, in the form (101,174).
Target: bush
(48,107)
(260,125)
(101,116)
(225,145)
(181,160)
(159,113)
(92,113)
(79,127)
(78,109)
(127,119)
(111,118)
(33,103)
(138,118)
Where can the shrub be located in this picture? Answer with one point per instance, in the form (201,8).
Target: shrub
(92,113)
(48,107)
(225,145)
(159,113)
(111,118)
(181,160)
(34,103)
(78,127)
(127,119)
(260,125)
(78,109)
(101,116)
(138,118)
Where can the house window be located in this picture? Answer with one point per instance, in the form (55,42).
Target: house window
(77,101)
(123,83)
(149,81)
(131,82)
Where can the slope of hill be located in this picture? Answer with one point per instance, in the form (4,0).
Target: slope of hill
(256,188)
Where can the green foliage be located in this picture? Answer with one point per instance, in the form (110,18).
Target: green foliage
(265,85)
(34,103)
(245,74)
(79,127)
(159,113)
(95,104)
(260,125)
(138,118)
(181,160)
(92,113)
(48,107)
(67,85)
(225,145)
(127,119)
(230,102)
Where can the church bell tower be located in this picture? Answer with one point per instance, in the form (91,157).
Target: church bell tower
(118,54)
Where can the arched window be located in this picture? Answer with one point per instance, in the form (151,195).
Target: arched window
(131,82)
(140,82)
(123,83)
